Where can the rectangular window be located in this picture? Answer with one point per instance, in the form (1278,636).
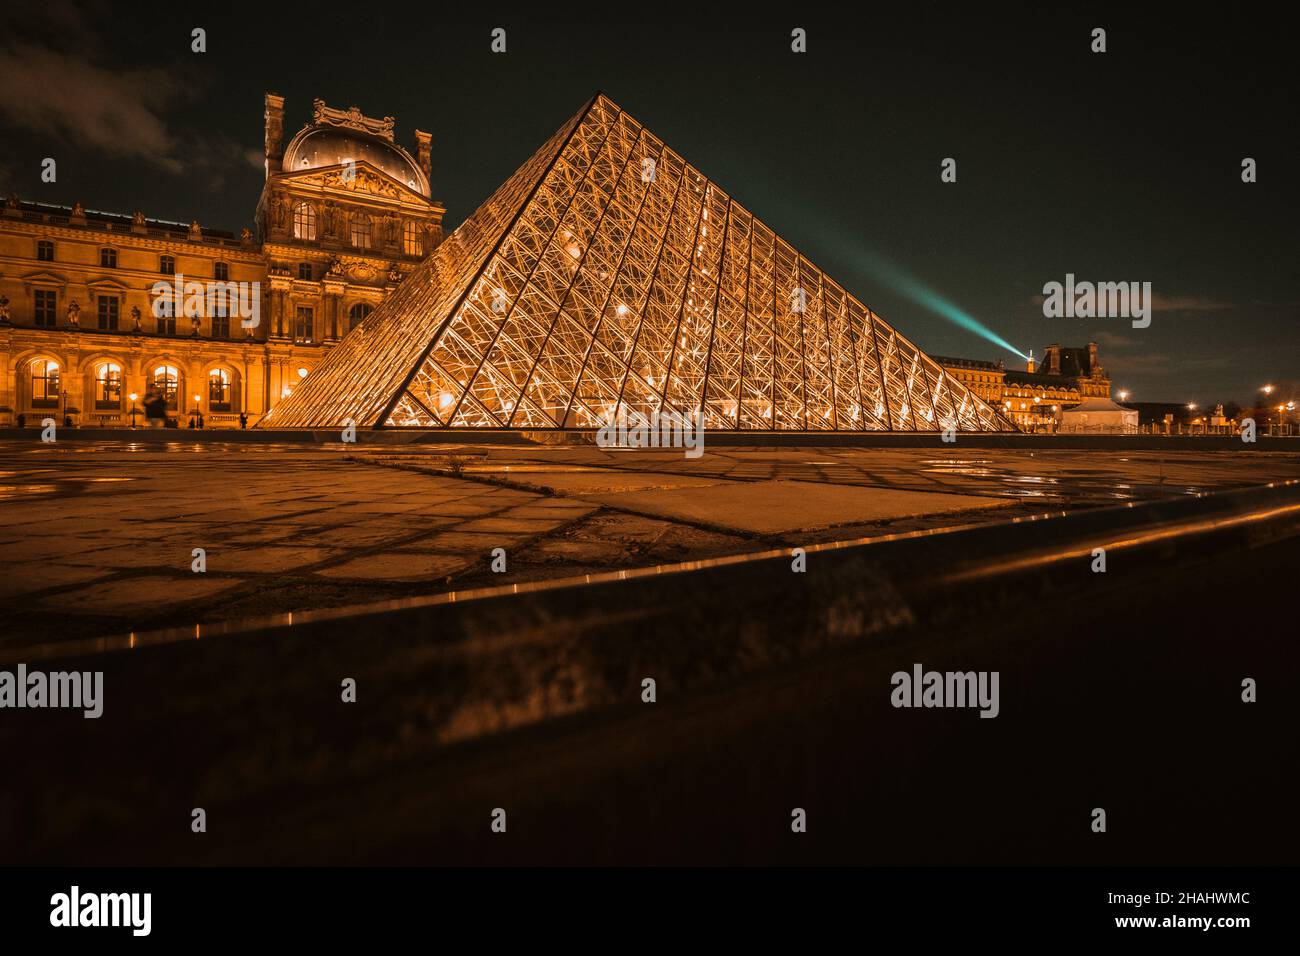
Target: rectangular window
(302,321)
(221,326)
(108,258)
(108,305)
(45,251)
(167,265)
(162,309)
(45,306)
(221,271)
(304,270)
(412,240)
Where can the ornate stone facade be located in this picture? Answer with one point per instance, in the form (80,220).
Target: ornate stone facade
(1035,398)
(343,216)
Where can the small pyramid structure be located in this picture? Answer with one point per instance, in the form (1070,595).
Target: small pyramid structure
(608,277)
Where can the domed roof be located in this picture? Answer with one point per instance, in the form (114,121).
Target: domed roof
(320,146)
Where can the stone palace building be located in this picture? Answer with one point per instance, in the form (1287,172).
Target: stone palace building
(98,307)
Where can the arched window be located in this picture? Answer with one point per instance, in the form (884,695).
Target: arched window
(167,379)
(45,384)
(412,239)
(219,390)
(361,231)
(304,221)
(108,385)
(357,313)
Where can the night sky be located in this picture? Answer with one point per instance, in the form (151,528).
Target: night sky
(1124,166)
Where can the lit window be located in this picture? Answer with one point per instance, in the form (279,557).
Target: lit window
(361,231)
(219,390)
(108,385)
(45,384)
(167,379)
(412,239)
(304,221)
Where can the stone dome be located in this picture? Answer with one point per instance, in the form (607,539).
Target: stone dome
(321,146)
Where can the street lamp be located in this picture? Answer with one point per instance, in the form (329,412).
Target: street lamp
(1123,396)
(134,396)
(1268,389)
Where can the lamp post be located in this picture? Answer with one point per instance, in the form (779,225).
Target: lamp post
(134,396)
(194,415)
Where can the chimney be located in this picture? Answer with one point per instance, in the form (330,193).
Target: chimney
(1030,366)
(1053,360)
(423,155)
(274,132)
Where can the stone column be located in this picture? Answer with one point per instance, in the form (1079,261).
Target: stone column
(333,302)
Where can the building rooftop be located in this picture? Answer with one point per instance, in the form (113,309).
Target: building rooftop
(952,362)
(55,214)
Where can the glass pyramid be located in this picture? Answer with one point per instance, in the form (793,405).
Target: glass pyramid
(607,277)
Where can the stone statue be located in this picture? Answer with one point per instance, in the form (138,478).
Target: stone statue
(4,310)
(74,314)
(78,209)
(135,318)
(196,232)
(11,202)
(137,218)
(246,236)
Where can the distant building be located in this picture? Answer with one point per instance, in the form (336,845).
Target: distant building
(1098,416)
(86,319)
(1035,398)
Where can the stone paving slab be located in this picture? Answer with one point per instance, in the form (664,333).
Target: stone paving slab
(775,507)
(398,566)
(601,480)
(147,591)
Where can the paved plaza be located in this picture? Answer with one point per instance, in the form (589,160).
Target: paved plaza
(99,538)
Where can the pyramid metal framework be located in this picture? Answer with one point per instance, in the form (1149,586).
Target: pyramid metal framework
(609,277)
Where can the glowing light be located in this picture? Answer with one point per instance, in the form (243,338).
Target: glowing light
(302,373)
(923,295)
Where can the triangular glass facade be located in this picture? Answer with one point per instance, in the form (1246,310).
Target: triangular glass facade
(608,276)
